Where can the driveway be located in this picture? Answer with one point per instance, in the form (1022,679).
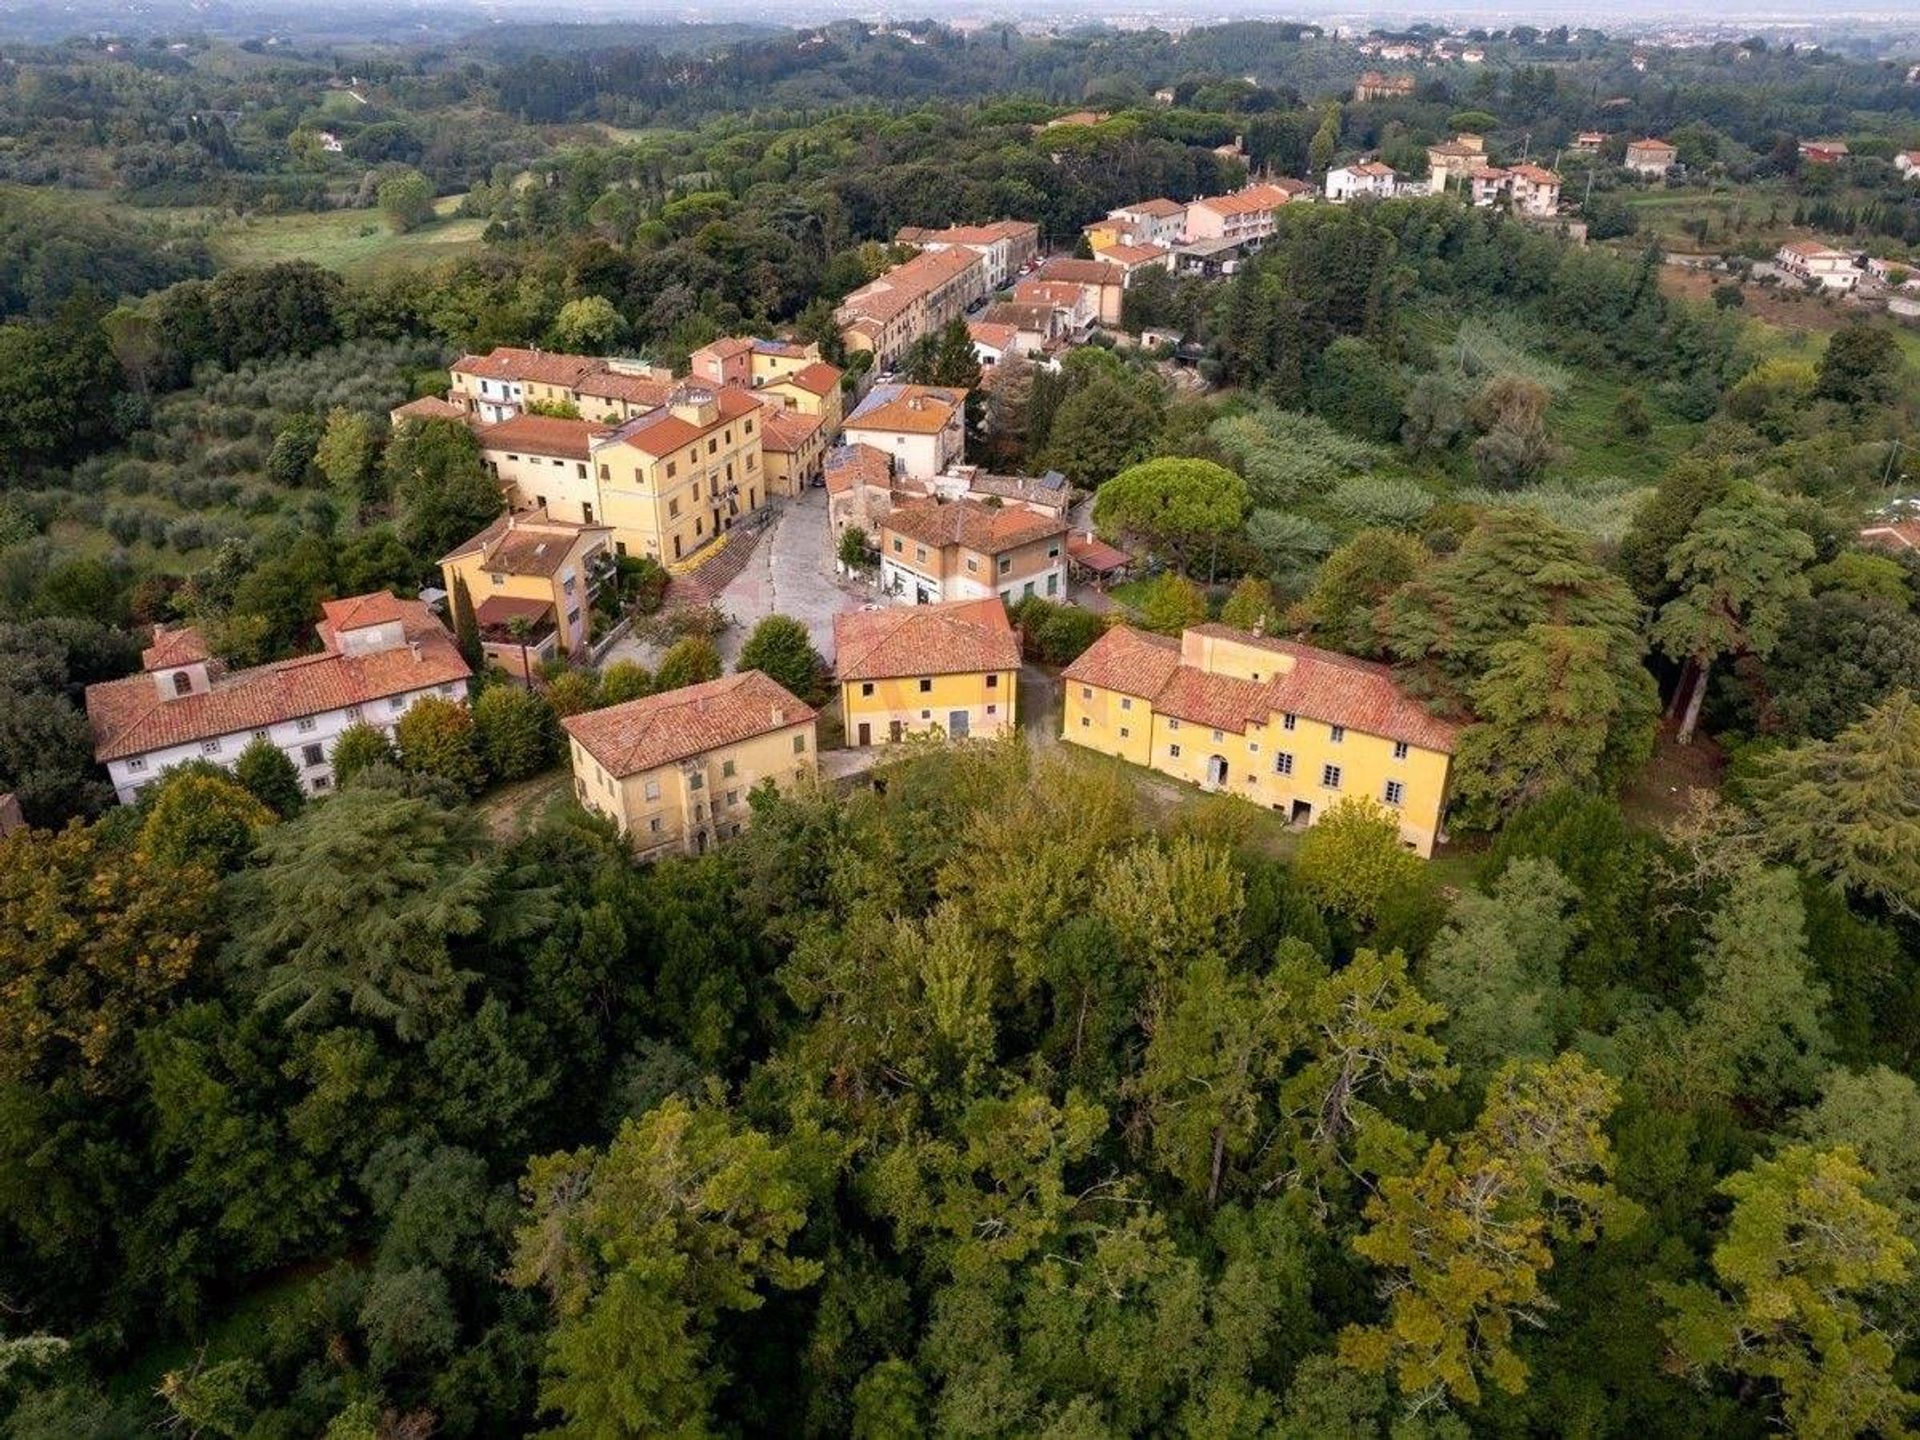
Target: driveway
(791,573)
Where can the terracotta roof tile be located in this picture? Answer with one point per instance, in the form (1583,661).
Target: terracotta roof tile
(428,407)
(819,378)
(185,646)
(545,367)
(526,542)
(1080,272)
(552,435)
(994,336)
(960,637)
(630,389)
(680,724)
(986,529)
(132,717)
(784,431)
(850,465)
(894,292)
(1322,685)
(1157,209)
(661,432)
(914,409)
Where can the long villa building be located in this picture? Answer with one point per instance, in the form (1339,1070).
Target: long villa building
(1287,726)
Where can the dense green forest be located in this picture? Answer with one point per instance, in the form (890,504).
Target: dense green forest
(1007,1097)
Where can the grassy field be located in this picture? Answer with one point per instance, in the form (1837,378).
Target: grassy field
(355,242)
(1737,219)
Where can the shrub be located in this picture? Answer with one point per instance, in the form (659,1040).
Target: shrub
(1351,860)
(1171,603)
(688,661)
(359,748)
(571,691)
(781,649)
(435,737)
(517,730)
(270,777)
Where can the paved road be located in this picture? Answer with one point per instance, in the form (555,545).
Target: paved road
(791,573)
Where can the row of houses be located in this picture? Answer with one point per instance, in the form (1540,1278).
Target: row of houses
(951,273)
(1286,726)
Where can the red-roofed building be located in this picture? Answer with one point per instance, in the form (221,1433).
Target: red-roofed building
(380,655)
(674,770)
(933,550)
(673,480)
(886,316)
(948,668)
(1004,246)
(1287,726)
(794,446)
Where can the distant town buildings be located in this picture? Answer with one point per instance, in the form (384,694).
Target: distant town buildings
(1373,85)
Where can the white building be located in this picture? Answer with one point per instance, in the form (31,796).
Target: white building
(1810,261)
(923,427)
(379,656)
(1364,179)
(1151,222)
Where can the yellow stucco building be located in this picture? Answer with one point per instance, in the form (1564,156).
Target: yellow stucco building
(531,580)
(674,770)
(951,668)
(1284,725)
(672,480)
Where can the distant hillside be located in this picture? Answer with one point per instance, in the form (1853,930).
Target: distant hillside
(676,39)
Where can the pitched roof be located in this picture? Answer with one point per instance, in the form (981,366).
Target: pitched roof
(1157,209)
(819,378)
(914,409)
(633,389)
(1322,685)
(849,465)
(1538,174)
(1080,272)
(784,431)
(960,637)
(1061,294)
(1096,554)
(544,367)
(552,435)
(661,432)
(893,293)
(676,725)
(428,407)
(988,529)
(132,717)
(992,334)
(185,646)
(1650,144)
(1037,317)
(1131,255)
(526,542)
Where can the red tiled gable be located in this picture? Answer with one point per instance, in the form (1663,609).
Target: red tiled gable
(910,409)
(185,646)
(1320,684)
(1096,554)
(661,729)
(544,367)
(858,465)
(429,407)
(785,431)
(985,529)
(819,378)
(551,435)
(379,607)
(993,336)
(1154,209)
(1080,272)
(662,432)
(895,292)
(630,389)
(1129,661)
(526,542)
(961,637)
(131,717)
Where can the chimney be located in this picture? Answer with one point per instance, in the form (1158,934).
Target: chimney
(414,645)
(779,716)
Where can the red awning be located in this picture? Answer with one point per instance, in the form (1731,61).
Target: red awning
(501,610)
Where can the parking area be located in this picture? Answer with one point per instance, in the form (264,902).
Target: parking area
(789,573)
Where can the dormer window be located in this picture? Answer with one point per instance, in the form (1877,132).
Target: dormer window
(182,683)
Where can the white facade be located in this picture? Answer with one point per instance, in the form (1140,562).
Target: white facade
(1830,269)
(1150,229)
(1348,182)
(915,454)
(307,741)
